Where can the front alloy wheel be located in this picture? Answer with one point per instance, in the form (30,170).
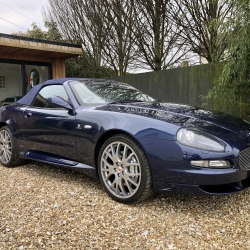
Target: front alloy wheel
(124,170)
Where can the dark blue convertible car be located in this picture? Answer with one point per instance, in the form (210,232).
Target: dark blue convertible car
(134,144)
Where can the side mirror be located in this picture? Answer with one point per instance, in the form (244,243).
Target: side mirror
(59,102)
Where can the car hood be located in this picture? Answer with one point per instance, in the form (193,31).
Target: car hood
(184,116)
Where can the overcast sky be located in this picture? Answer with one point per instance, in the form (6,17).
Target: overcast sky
(18,15)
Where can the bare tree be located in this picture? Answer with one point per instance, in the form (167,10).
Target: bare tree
(157,37)
(119,47)
(121,34)
(203,26)
(79,22)
(103,27)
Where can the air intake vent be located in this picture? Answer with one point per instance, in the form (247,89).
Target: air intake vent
(244,158)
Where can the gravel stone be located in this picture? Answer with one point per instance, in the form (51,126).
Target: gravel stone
(47,207)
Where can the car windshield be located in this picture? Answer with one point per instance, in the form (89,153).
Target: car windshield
(105,91)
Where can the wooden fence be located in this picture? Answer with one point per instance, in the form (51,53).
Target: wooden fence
(180,85)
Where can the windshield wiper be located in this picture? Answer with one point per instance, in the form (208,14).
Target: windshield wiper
(156,101)
(125,100)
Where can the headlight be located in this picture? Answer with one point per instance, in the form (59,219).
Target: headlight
(199,139)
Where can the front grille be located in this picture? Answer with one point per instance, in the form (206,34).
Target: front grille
(244,158)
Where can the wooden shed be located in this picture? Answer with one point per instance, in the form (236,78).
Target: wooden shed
(25,62)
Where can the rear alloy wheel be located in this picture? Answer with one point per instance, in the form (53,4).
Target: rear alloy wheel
(124,170)
(5,147)
(8,154)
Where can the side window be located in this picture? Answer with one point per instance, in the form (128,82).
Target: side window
(40,99)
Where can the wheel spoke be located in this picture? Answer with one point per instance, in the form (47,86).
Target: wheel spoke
(109,155)
(132,164)
(113,151)
(112,184)
(5,156)
(5,136)
(107,176)
(125,150)
(118,152)
(133,174)
(134,183)
(105,170)
(107,163)
(8,156)
(122,189)
(116,189)
(128,186)
(129,157)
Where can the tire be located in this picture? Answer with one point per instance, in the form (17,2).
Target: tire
(8,152)
(124,170)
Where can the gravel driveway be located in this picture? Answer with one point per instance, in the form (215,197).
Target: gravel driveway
(46,207)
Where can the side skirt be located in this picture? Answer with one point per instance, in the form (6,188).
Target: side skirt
(80,167)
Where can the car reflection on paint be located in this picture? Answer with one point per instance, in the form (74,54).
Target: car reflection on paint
(134,144)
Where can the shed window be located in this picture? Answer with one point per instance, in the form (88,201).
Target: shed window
(2,82)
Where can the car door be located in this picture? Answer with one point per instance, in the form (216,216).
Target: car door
(47,129)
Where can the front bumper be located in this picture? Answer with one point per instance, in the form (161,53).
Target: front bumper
(203,181)
(172,171)
(222,189)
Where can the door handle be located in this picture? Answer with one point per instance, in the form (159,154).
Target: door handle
(28,115)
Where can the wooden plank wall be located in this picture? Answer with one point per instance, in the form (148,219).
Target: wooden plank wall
(58,68)
(25,57)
